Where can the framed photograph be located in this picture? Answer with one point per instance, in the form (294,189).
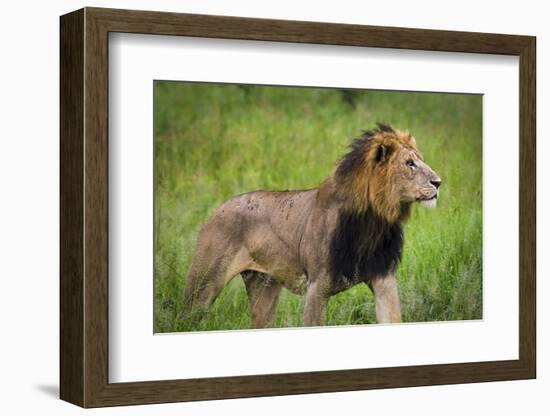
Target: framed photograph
(254,207)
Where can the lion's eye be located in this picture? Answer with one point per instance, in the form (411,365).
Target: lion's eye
(411,163)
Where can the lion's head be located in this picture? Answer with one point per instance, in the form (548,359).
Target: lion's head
(385,172)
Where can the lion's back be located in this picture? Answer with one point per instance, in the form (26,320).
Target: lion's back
(264,215)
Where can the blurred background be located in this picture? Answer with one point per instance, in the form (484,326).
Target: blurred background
(213,141)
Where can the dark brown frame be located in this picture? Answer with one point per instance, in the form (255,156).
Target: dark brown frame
(84,207)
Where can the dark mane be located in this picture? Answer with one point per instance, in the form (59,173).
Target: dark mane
(357,149)
(363,246)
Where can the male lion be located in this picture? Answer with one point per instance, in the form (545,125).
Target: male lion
(320,241)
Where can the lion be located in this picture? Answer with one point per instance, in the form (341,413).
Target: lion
(321,241)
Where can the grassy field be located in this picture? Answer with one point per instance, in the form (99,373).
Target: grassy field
(214,141)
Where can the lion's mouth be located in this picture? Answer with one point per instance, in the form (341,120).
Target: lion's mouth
(429,202)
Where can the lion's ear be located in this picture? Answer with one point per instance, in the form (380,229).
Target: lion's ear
(383,152)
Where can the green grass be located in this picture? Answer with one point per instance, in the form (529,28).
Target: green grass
(215,141)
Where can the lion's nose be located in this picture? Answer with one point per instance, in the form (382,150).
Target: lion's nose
(436,182)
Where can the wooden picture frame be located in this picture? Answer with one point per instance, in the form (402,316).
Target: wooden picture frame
(84,207)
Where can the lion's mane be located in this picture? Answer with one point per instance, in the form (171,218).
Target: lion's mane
(368,238)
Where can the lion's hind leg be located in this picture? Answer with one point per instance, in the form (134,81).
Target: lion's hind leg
(201,289)
(263,293)
(210,272)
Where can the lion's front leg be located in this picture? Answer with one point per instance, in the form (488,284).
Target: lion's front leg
(315,305)
(386,295)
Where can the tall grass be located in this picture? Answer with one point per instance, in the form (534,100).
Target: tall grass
(214,141)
